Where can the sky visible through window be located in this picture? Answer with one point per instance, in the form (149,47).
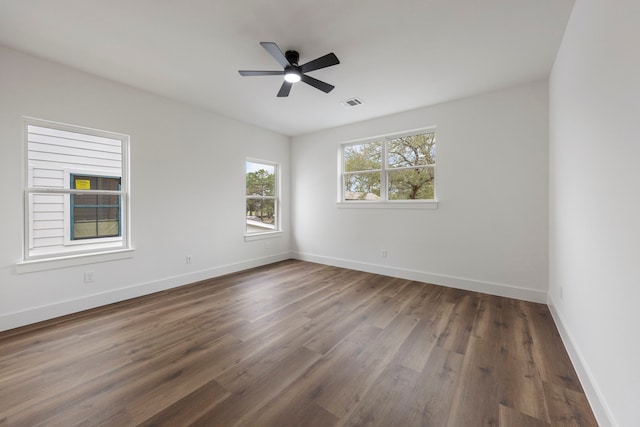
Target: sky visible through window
(255,167)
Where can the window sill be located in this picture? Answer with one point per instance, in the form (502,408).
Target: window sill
(261,236)
(71,260)
(424,205)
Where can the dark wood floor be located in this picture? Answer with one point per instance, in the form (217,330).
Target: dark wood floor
(295,344)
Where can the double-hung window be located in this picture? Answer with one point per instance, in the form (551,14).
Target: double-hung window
(394,168)
(76,192)
(262,197)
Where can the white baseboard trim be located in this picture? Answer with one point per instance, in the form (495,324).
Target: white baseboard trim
(497,289)
(62,308)
(601,410)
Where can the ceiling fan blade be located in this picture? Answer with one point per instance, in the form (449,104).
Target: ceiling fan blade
(260,73)
(322,62)
(318,84)
(275,51)
(284,89)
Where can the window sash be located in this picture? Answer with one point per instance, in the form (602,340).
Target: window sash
(103,226)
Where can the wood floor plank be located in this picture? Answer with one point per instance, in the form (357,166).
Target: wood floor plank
(512,418)
(241,405)
(476,398)
(401,397)
(416,349)
(290,344)
(328,370)
(330,336)
(243,373)
(549,353)
(356,376)
(386,403)
(436,386)
(71,405)
(520,388)
(568,407)
(190,408)
(297,412)
(517,338)
(394,305)
(424,304)
(489,323)
(362,286)
(456,335)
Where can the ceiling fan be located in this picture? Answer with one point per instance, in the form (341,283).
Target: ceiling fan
(292,71)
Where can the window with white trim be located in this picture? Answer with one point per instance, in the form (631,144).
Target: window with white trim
(76,192)
(262,197)
(395,168)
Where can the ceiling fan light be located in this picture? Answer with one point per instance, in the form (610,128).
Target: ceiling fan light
(292,76)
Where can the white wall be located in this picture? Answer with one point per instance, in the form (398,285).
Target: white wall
(594,205)
(490,230)
(187,186)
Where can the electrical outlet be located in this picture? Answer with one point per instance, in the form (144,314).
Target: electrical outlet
(561,293)
(89,277)
(383,253)
(188,259)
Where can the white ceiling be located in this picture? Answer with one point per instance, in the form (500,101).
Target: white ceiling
(395,55)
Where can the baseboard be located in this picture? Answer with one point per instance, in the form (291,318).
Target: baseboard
(51,311)
(598,404)
(498,289)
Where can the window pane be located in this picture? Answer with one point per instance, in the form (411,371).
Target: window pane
(81,182)
(260,179)
(108,200)
(95,216)
(362,157)
(362,186)
(108,228)
(84,214)
(415,150)
(85,199)
(408,184)
(84,230)
(95,229)
(107,213)
(261,215)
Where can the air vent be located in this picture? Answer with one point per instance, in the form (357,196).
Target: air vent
(351,103)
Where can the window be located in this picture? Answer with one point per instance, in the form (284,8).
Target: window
(396,168)
(76,191)
(262,199)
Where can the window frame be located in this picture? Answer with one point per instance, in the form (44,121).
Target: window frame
(276,198)
(79,251)
(384,201)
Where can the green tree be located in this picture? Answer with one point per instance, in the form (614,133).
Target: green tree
(259,184)
(406,182)
(360,159)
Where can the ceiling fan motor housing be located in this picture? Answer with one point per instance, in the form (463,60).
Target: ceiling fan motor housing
(292,56)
